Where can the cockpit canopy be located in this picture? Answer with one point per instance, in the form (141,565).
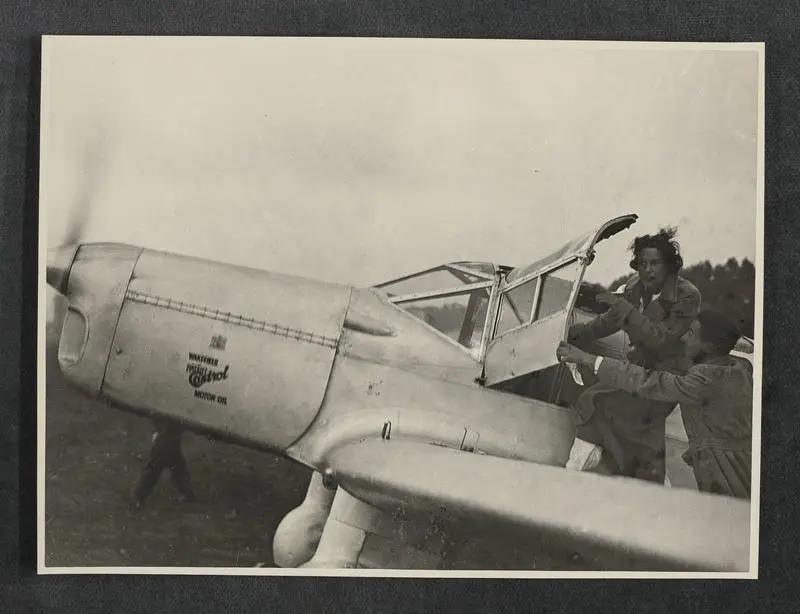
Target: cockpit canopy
(505,316)
(452,298)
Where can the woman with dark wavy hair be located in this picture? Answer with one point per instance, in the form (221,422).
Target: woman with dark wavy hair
(655,257)
(655,308)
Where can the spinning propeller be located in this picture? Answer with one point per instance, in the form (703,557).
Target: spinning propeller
(59,259)
(92,166)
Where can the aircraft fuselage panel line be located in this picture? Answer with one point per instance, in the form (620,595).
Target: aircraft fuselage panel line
(231,318)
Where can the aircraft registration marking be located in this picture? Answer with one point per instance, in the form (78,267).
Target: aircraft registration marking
(232,318)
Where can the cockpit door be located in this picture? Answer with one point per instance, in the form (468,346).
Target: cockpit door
(535,307)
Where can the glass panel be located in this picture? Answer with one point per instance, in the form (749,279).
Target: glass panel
(473,328)
(465,278)
(516,306)
(460,317)
(485,268)
(556,289)
(563,252)
(437,279)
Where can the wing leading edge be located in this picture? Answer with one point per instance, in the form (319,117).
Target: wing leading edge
(611,523)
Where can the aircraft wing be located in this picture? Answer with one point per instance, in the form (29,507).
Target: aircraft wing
(611,523)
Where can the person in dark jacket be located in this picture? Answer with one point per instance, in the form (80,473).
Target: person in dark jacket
(165,453)
(716,398)
(655,308)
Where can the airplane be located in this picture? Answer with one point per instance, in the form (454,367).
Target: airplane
(430,408)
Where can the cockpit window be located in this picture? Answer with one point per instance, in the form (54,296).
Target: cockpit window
(484,269)
(452,298)
(445,277)
(460,317)
(556,290)
(536,299)
(516,306)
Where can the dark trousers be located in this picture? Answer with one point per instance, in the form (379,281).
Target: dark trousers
(722,472)
(630,430)
(165,454)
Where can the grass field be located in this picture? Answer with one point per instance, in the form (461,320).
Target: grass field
(94,454)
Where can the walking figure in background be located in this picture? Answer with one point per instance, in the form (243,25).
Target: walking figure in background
(165,453)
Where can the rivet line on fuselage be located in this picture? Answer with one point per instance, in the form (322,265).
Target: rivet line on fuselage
(231,318)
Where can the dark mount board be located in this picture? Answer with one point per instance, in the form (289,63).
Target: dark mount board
(777,23)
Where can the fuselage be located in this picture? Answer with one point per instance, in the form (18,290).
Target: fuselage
(278,362)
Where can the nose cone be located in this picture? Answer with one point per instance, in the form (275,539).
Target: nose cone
(59,263)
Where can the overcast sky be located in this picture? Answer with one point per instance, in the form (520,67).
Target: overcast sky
(359,160)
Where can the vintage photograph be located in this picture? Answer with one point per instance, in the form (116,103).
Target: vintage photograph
(420,307)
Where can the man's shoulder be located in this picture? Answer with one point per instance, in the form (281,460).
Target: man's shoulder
(709,370)
(725,368)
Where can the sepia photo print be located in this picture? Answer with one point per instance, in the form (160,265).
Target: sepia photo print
(405,307)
